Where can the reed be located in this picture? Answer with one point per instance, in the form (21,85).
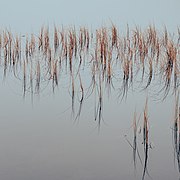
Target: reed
(109,72)
(24,79)
(46,41)
(150,73)
(135,139)
(32,45)
(56,39)
(38,77)
(27,47)
(31,83)
(137,51)
(99,108)
(125,85)
(176,131)
(71,49)
(171,53)
(72,92)
(55,74)
(17,48)
(40,39)
(5,46)
(9,46)
(81,99)
(114,35)
(145,139)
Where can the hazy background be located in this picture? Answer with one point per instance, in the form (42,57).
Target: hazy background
(25,15)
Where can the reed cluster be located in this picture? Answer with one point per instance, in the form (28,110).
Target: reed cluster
(141,139)
(146,54)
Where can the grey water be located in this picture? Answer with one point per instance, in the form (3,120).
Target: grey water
(45,138)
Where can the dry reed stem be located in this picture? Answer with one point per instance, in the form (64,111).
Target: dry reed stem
(56,39)
(38,77)
(81,99)
(24,79)
(55,74)
(146,139)
(176,131)
(135,139)
(40,39)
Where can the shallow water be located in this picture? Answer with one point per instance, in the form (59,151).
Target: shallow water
(45,140)
(44,136)
(44,143)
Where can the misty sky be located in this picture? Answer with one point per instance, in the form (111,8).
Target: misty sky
(23,15)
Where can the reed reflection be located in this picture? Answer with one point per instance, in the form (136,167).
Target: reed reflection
(137,144)
(176,132)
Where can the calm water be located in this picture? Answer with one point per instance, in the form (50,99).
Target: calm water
(45,141)
(45,136)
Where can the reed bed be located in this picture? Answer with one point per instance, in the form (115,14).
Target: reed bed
(133,57)
(114,59)
(141,59)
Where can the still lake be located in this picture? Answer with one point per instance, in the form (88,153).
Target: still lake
(82,126)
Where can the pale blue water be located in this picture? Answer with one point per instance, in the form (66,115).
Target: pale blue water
(44,141)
